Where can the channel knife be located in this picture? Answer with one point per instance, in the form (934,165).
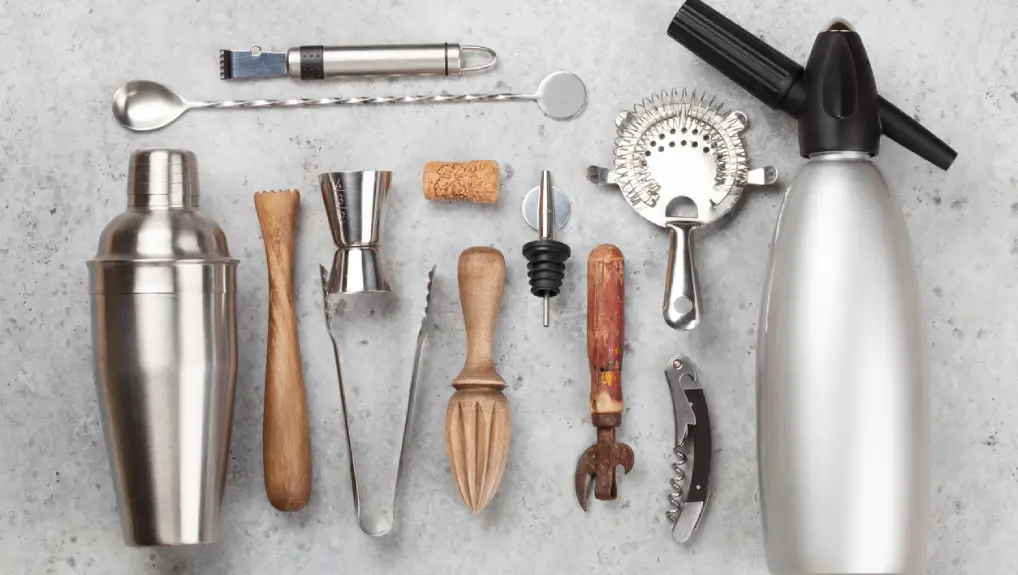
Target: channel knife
(319,62)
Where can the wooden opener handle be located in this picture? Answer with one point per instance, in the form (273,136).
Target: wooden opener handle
(286,436)
(605,333)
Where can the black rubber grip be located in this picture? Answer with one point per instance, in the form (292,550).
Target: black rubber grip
(735,52)
(312,63)
(547,267)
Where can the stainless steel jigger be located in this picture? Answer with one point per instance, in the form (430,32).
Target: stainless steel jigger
(355,205)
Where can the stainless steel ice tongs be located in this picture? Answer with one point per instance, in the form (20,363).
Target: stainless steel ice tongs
(376,526)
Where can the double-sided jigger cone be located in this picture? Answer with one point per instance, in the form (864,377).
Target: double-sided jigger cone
(355,205)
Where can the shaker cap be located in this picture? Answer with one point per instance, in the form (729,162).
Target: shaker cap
(163,176)
(162,225)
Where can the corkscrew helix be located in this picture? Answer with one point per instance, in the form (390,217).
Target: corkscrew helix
(675,498)
(689,492)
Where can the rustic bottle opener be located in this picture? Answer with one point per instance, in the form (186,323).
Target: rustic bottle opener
(692,447)
(605,340)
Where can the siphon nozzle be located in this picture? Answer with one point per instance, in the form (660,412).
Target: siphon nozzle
(781,83)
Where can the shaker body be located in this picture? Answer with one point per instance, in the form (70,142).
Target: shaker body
(841,380)
(165,370)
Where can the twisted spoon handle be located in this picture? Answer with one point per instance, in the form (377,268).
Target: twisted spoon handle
(418,99)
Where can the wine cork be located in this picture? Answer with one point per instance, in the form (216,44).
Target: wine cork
(475,181)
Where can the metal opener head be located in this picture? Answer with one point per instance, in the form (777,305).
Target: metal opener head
(681,375)
(681,163)
(597,467)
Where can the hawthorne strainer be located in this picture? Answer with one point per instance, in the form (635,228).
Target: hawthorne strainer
(680,162)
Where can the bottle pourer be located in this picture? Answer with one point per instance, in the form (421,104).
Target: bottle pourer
(547,256)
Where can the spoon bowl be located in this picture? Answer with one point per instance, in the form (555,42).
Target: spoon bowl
(142,106)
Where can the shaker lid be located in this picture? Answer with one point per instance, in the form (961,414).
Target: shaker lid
(163,172)
(162,224)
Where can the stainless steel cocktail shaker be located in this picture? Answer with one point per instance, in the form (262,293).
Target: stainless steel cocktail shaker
(164,346)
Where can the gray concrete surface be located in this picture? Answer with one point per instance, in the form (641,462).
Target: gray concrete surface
(62,175)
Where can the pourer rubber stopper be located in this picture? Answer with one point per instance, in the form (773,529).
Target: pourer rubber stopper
(547,256)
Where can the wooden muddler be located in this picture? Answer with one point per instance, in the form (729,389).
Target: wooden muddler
(475,181)
(286,437)
(477,420)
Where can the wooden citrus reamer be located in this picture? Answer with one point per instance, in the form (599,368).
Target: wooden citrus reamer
(286,435)
(477,420)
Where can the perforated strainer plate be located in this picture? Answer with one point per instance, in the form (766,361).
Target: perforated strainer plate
(680,156)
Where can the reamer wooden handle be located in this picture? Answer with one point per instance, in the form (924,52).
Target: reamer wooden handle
(481,281)
(605,333)
(286,436)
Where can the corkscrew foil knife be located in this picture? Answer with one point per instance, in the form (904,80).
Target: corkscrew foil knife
(320,62)
(689,493)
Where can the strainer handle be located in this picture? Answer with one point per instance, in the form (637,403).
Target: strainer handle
(682,289)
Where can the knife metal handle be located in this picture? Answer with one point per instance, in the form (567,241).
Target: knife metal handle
(319,62)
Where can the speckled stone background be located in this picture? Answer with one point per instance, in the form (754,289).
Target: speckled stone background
(63,163)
